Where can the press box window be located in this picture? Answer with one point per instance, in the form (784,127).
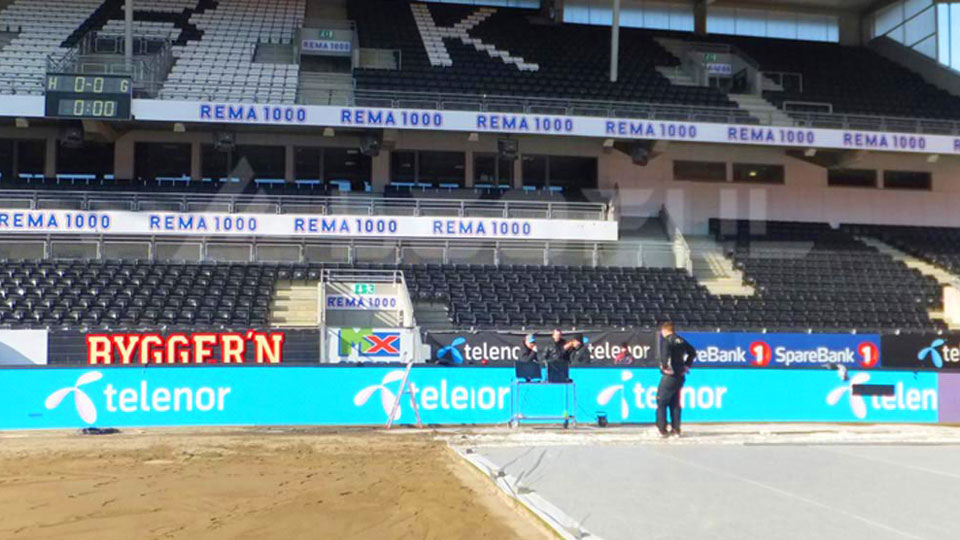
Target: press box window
(492,169)
(161,160)
(907,180)
(700,171)
(865,178)
(757,173)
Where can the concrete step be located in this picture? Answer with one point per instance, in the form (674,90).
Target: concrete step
(761,109)
(326,78)
(294,304)
(274,53)
(316,11)
(712,268)
(677,76)
(942,276)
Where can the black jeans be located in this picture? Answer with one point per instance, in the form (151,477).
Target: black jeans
(668,395)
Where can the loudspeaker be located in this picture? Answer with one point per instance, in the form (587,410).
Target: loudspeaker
(370,143)
(640,153)
(72,137)
(508,149)
(224,142)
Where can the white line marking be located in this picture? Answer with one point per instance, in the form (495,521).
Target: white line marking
(786,493)
(888,462)
(561,522)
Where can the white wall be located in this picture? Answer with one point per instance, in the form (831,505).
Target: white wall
(804,196)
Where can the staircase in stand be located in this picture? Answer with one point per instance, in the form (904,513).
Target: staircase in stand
(317,11)
(761,109)
(433,316)
(294,305)
(942,276)
(675,74)
(714,270)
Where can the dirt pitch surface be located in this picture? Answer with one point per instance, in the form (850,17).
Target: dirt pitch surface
(247,483)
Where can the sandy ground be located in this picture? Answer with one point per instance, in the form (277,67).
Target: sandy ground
(247,484)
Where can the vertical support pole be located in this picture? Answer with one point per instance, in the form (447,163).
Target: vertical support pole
(128,35)
(615,42)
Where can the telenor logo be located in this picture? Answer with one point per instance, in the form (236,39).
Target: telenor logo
(933,353)
(387,398)
(857,405)
(455,355)
(762,353)
(606,395)
(85,407)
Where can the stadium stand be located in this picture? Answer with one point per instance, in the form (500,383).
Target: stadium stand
(505,54)
(810,273)
(83,293)
(221,64)
(853,80)
(142,294)
(40,28)
(939,246)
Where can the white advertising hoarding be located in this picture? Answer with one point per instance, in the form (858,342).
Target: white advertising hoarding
(534,124)
(23,347)
(300,225)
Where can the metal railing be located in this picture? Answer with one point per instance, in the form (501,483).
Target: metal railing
(103,54)
(649,111)
(387,59)
(625,253)
(681,249)
(556,106)
(781,79)
(285,204)
(791,106)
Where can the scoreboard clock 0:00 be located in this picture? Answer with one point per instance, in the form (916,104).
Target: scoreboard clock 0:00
(105,97)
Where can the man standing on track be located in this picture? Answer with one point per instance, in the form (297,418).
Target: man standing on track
(676,357)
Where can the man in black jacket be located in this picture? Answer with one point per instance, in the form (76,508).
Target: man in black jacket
(676,357)
(580,353)
(558,350)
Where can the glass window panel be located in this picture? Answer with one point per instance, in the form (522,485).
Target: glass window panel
(954,36)
(920,27)
(886,19)
(912,7)
(721,21)
(656,16)
(943,33)
(681,19)
(751,22)
(927,47)
(782,25)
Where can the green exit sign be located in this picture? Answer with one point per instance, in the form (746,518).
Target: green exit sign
(364,288)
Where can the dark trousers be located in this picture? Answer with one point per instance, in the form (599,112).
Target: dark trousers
(668,396)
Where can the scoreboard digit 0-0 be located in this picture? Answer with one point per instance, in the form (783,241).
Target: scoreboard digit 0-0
(104,97)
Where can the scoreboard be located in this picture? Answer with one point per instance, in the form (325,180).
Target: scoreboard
(104,97)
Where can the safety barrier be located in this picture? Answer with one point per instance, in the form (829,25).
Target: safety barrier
(48,398)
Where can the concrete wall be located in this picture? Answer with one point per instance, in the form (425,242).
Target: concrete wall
(804,196)
(932,71)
